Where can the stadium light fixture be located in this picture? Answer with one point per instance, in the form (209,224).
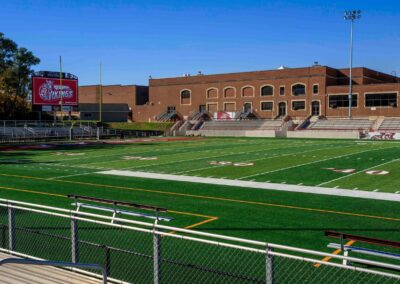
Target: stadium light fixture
(351,16)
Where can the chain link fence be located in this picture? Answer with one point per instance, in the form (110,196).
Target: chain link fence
(137,252)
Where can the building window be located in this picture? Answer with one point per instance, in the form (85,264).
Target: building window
(381,100)
(281,90)
(315,89)
(342,101)
(248,91)
(298,105)
(229,93)
(185,97)
(298,90)
(267,91)
(230,107)
(212,93)
(267,105)
(212,107)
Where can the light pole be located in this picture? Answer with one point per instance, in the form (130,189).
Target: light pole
(351,15)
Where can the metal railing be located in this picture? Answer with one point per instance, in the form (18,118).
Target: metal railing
(55,263)
(139,252)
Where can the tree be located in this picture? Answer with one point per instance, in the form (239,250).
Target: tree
(15,74)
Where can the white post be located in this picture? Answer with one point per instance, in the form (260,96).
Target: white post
(11,228)
(269,265)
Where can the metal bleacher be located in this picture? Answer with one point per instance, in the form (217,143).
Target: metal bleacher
(270,124)
(390,124)
(342,124)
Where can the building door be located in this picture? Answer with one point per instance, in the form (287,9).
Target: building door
(315,108)
(282,109)
(247,107)
(171,109)
(202,108)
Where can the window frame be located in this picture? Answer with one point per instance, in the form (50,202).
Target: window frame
(267,85)
(247,86)
(224,91)
(209,89)
(381,93)
(341,107)
(295,101)
(261,109)
(298,83)
(190,97)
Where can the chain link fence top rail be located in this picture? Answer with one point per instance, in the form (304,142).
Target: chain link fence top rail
(139,252)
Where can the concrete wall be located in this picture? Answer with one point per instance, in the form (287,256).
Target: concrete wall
(233,133)
(324,134)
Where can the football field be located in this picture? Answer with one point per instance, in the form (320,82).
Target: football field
(45,174)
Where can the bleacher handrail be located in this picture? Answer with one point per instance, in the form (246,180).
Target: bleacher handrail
(193,235)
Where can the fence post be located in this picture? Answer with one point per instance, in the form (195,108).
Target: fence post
(108,260)
(157,257)
(11,228)
(270,279)
(74,240)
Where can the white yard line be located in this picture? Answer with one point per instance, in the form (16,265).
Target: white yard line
(71,175)
(260,185)
(362,171)
(310,163)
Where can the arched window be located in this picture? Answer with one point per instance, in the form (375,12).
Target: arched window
(212,93)
(298,90)
(185,97)
(267,91)
(229,93)
(248,91)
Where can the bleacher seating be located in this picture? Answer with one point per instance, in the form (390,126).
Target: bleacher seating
(267,124)
(341,124)
(390,124)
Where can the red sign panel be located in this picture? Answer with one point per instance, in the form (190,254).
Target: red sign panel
(47,91)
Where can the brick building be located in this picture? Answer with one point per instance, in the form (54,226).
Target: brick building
(297,92)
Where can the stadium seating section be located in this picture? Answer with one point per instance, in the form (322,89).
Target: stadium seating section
(390,124)
(341,124)
(243,125)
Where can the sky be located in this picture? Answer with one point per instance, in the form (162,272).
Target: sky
(137,39)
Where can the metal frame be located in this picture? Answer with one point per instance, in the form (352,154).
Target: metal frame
(159,231)
(55,263)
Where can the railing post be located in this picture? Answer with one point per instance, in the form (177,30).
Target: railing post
(74,240)
(11,228)
(269,265)
(108,260)
(157,257)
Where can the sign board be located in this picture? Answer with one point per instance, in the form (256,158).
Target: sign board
(223,115)
(47,91)
(384,135)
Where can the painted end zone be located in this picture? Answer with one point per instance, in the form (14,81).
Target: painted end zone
(260,185)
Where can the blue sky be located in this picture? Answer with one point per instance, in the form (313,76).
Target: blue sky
(135,39)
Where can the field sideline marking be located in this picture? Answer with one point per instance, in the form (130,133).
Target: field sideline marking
(318,161)
(209,218)
(336,252)
(69,176)
(362,171)
(217,198)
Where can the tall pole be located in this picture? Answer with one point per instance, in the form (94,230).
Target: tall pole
(101,94)
(351,68)
(61,96)
(351,16)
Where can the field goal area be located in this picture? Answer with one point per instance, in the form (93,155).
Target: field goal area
(133,250)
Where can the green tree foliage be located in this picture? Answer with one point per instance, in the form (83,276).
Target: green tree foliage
(15,74)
